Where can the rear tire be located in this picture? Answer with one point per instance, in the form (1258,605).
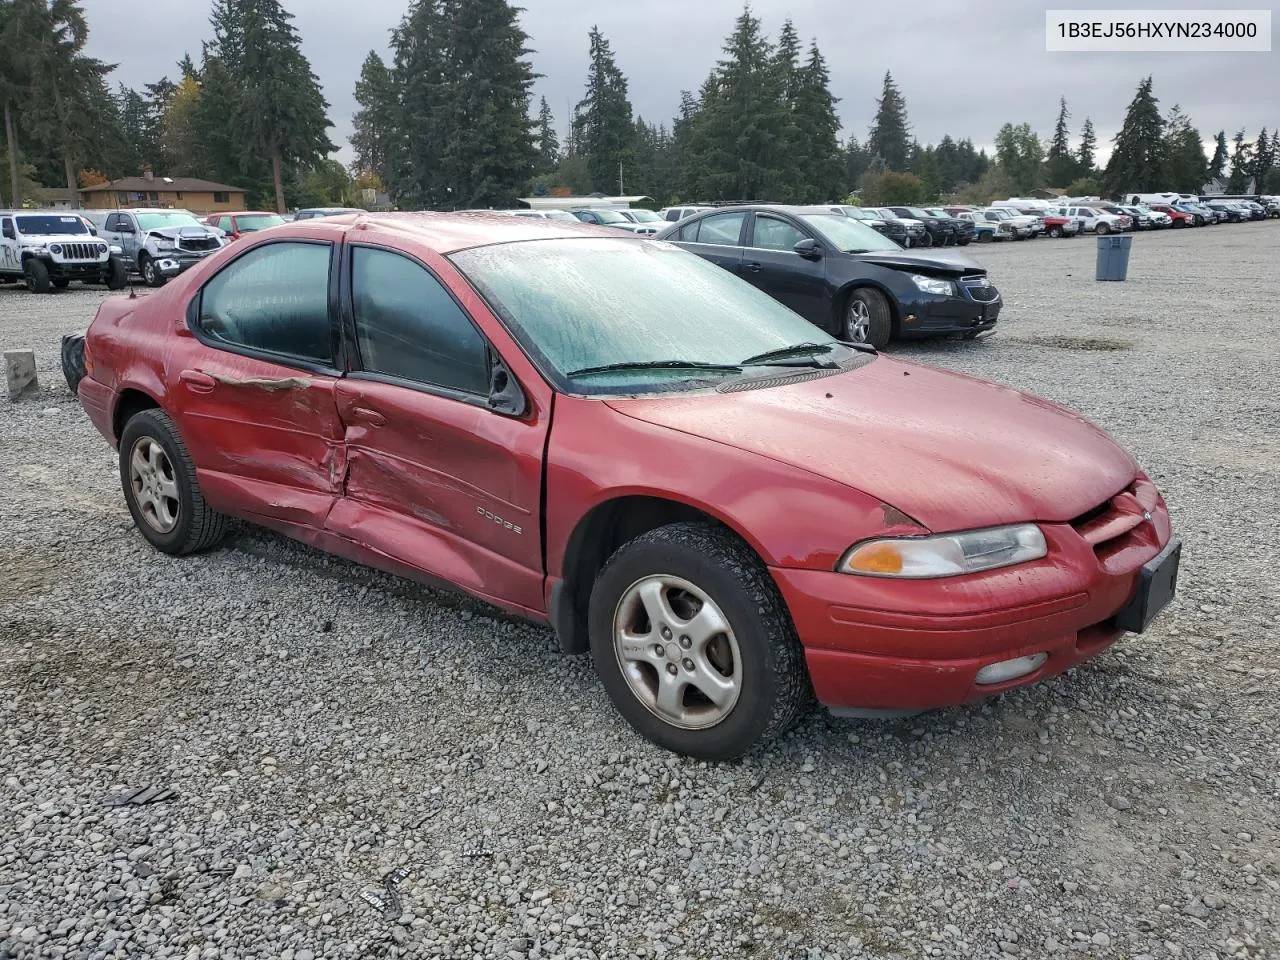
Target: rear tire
(740,643)
(60,283)
(37,275)
(159,482)
(867,318)
(73,360)
(926,240)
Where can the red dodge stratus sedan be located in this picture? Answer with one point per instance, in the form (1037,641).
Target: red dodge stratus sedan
(733,512)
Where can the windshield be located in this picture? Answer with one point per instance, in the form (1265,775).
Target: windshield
(645,216)
(917,213)
(259,221)
(937,212)
(857,213)
(50,225)
(847,235)
(158,221)
(590,302)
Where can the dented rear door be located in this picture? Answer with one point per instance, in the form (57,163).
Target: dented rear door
(253,385)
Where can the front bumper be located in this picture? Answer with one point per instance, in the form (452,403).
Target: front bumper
(928,314)
(884,644)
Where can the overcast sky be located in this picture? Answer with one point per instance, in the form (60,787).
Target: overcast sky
(964,66)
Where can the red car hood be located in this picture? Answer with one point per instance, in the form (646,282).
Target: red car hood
(951,451)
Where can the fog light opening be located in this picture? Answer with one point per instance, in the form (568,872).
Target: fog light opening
(1007,670)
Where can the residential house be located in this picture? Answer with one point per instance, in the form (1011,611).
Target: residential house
(148,190)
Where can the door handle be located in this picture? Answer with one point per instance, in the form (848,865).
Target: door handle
(196,381)
(751,267)
(372,417)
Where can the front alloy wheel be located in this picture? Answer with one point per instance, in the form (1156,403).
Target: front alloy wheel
(677,652)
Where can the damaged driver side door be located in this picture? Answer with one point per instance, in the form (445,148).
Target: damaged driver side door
(253,386)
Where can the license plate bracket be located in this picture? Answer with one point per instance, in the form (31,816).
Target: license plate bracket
(1157,584)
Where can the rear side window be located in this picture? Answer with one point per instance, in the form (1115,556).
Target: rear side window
(722,229)
(409,327)
(274,299)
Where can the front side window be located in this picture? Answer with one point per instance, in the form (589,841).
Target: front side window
(409,327)
(224,224)
(774,234)
(274,299)
(722,229)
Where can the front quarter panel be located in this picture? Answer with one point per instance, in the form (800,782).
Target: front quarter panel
(790,517)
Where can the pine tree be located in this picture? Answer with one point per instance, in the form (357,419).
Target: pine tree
(820,167)
(681,139)
(1241,164)
(856,161)
(1264,159)
(1218,165)
(736,147)
(280,110)
(890,133)
(1183,154)
(464,87)
(374,125)
(548,142)
(792,136)
(1137,159)
(1086,156)
(602,124)
(1061,165)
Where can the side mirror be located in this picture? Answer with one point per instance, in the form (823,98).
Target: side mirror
(505,395)
(809,248)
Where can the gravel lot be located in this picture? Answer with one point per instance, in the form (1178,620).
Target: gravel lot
(324,725)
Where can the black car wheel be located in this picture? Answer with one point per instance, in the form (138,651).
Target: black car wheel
(117,275)
(37,276)
(867,318)
(61,283)
(926,240)
(1055,232)
(1103,229)
(147,267)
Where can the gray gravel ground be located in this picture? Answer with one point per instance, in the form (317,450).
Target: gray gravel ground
(324,725)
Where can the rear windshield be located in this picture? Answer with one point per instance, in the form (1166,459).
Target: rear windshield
(50,225)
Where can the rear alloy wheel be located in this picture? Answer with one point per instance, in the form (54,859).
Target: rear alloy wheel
(867,318)
(693,644)
(159,481)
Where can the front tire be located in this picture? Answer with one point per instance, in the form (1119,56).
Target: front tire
(867,318)
(159,481)
(1102,230)
(694,645)
(1055,232)
(147,267)
(926,240)
(36,273)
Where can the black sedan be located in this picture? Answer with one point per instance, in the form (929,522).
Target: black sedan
(841,275)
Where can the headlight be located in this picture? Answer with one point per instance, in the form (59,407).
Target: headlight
(944,288)
(947,555)
(163,243)
(116,248)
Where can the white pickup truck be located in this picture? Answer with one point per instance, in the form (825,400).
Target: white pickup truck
(1093,220)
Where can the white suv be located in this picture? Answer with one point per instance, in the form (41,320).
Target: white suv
(48,249)
(676,214)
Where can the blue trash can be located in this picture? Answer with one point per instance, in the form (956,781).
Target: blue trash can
(1113,257)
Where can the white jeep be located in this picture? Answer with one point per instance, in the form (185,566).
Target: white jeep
(50,248)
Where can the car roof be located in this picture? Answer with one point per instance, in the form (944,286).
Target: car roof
(449,232)
(244,213)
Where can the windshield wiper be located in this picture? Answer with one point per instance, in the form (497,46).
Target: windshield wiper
(657,365)
(777,358)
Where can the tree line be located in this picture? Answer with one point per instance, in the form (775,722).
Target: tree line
(446,122)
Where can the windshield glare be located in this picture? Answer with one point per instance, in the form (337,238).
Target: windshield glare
(609,216)
(589,302)
(258,222)
(645,216)
(47,225)
(845,234)
(157,221)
